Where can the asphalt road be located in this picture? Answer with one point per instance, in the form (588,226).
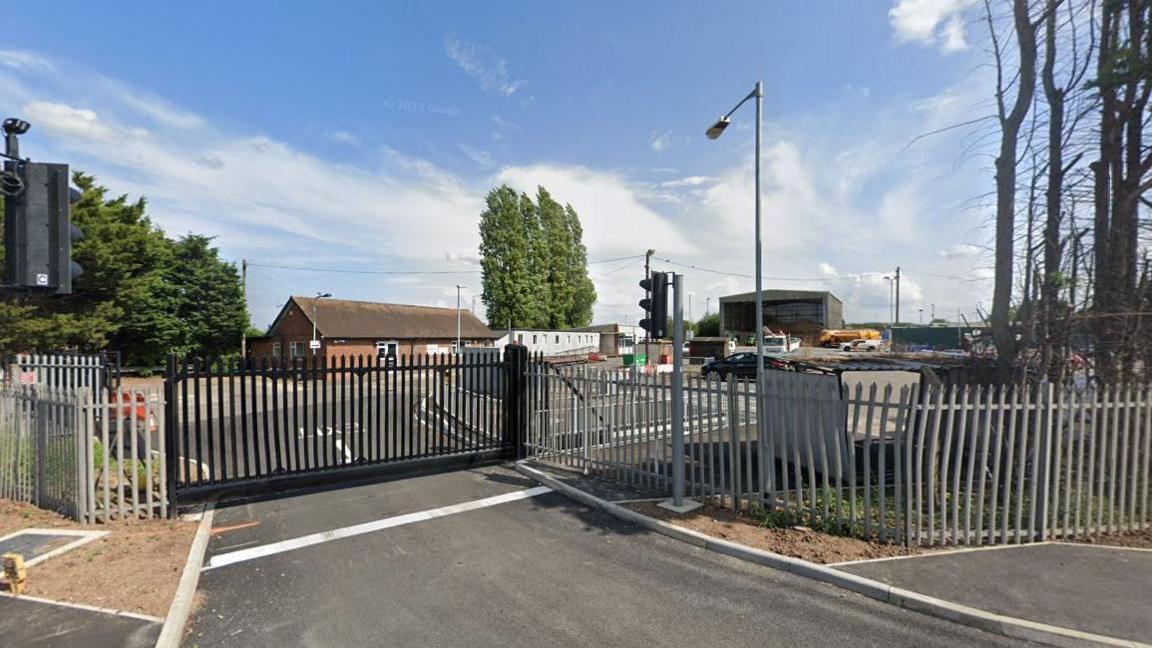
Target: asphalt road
(1097,589)
(36,624)
(531,572)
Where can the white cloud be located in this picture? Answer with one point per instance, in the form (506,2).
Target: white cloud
(483,65)
(931,22)
(66,121)
(660,141)
(960,251)
(690,181)
(25,61)
(616,221)
(154,108)
(482,158)
(344,137)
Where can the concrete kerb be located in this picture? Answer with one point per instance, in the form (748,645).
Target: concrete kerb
(909,600)
(181,608)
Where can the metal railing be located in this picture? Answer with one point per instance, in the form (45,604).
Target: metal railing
(90,459)
(236,423)
(940,465)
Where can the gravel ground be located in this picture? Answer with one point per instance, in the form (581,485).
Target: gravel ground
(796,542)
(135,568)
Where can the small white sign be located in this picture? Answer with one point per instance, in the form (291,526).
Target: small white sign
(314,345)
(41,280)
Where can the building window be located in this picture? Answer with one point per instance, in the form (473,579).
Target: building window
(388,348)
(297,349)
(557,339)
(533,339)
(276,350)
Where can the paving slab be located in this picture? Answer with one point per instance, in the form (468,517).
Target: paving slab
(1091,588)
(35,624)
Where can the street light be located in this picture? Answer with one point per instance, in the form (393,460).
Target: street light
(712,133)
(889,280)
(458,287)
(319,296)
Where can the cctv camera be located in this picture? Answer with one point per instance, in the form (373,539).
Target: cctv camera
(16,126)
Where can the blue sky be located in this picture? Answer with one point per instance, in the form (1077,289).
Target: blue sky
(363,136)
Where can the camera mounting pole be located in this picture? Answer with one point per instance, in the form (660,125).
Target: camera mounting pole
(13,129)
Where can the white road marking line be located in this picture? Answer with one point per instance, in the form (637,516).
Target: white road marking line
(234,557)
(81,606)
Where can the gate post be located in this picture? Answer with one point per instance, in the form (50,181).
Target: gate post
(39,421)
(515,401)
(171,445)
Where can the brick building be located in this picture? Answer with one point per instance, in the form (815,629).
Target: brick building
(352,328)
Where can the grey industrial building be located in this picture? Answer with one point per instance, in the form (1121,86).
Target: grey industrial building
(803,313)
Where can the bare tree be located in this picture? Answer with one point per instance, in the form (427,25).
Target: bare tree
(1010,120)
(1121,178)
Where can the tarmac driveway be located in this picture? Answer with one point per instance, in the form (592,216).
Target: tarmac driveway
(1090,588)
(397,563)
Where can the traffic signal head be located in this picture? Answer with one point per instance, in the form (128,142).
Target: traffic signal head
(655,305)
(38,232)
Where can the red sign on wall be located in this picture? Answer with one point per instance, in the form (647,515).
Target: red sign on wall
(27,377)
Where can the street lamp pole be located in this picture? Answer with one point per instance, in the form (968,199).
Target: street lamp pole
(458,287)
(712,133)
(888,315)
(319,296)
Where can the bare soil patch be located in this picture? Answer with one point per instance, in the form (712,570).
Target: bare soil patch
(135,568)
(795,542)
(1134,539)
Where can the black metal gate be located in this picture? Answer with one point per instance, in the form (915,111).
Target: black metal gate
(244,427)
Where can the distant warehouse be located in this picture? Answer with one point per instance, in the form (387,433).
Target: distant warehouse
(803,313)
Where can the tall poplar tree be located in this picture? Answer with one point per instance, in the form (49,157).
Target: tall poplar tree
(580,285)
(534,264)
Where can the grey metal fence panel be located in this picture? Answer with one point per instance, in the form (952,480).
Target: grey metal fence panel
(934,465)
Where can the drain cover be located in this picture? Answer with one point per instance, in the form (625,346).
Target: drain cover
(37,545)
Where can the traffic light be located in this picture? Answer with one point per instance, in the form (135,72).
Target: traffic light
(656,305)
(38,232)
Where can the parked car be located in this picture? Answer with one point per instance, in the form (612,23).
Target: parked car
(861,345)
(741,365)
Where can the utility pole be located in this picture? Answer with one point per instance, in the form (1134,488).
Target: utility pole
(933,318)
(707,304)
(897,317)
(458,286)
(648,295)
(244,296)
(677,503)
(315,346)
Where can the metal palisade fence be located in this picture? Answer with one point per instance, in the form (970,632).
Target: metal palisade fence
(256,424)
(71,444)
(935,465)
(40,448)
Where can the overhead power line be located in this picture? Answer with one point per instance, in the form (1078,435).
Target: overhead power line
(402,272)
(736,274)
(358,271)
